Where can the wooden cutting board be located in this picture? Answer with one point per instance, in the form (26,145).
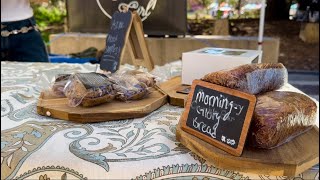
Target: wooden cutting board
(58,108)
(290,159)
(170,87)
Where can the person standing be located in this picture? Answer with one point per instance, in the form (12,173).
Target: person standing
(20,36)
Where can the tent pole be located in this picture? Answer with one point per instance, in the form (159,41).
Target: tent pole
(261,27)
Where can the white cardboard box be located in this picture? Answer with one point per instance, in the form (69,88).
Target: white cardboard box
(196,64)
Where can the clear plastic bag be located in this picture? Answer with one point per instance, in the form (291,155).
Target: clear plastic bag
(251,78)
(279,117)
(92,89)
(89,89)
(132,85)
(59,84)
(143,77)
(52,81)
(167,71)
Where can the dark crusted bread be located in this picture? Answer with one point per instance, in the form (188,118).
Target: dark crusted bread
(279,117)
(90,102)
(89,89)
(251,78)
(136,92)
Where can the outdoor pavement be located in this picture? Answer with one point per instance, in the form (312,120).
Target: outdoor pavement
(306,81)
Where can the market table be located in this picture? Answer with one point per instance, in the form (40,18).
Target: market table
(38,147)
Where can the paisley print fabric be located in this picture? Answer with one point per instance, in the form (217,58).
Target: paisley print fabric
(37,147)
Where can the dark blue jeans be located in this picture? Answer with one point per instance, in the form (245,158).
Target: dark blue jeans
(27,47)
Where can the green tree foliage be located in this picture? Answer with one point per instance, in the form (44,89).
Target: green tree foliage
(206,3)
(50,17)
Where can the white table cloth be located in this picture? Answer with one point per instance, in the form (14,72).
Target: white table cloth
(37,147)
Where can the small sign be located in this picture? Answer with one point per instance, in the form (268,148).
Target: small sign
(119,31)
(126,29)
(218,115)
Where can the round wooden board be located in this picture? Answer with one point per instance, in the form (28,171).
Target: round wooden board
(115,110)
(290,159)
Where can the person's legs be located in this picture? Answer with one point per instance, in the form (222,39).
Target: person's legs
(4,48)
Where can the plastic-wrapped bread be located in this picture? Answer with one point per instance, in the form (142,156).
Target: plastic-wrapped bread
(89,89)
(143,77)
(59,84)
(279,117)
(92,89)
(129,88)
(251,78)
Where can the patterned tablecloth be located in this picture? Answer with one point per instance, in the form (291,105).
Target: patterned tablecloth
(37,147)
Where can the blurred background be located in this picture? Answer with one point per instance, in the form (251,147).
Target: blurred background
(283,19)
(294,22)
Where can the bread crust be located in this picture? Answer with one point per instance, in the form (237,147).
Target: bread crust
(251,78)
(279,117)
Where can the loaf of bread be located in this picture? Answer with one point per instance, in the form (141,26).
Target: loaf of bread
(95,101)
(129,88)
(279,117)
(251,78)
(143,77)
(92,89)
(89,89)
(59,84)
(137,92)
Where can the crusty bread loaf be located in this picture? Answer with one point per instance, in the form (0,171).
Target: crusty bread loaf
(90,102)
(279,117)
(92,89)
(89,90)
(143,77)
(136,92)
(132,85)
(251,78)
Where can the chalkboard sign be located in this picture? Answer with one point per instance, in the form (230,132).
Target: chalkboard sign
(119,31)
(218,115)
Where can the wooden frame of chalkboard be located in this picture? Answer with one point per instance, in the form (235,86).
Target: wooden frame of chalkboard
(137,44)
(218,115)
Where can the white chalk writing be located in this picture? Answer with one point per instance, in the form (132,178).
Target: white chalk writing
(113,50)
(112,38)
(143,12)
(117,25)
(221,102)
(203,127)
(215,108)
